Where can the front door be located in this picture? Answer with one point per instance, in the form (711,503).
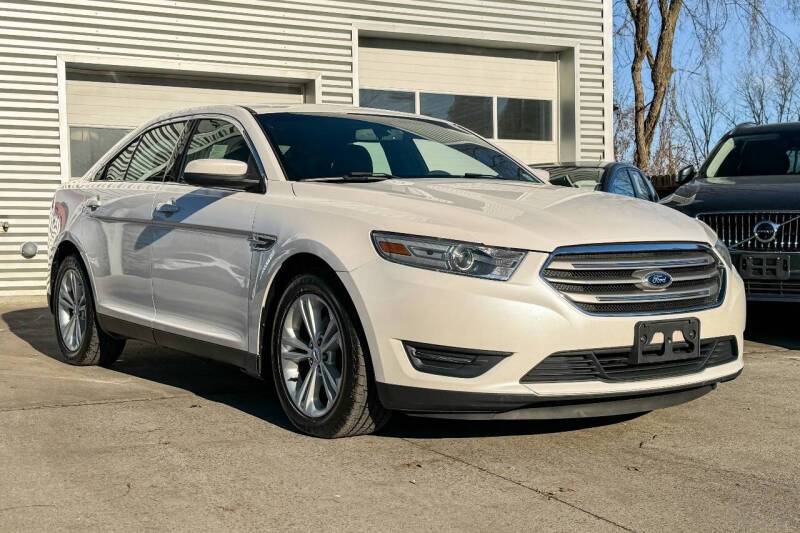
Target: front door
(201,252)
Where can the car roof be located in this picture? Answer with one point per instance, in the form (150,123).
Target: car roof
(577,164)
(765,128)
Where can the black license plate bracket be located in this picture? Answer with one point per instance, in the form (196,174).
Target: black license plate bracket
(764,266)
(647,350)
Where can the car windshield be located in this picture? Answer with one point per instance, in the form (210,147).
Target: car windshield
(318,145)
(580,177)
(768,154)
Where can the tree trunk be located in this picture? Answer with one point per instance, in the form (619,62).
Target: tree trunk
(647,115)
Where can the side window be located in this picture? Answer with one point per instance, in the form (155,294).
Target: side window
(639,185)
(155,151)
(651,191)
(621,184)
(218,139)
(115,171)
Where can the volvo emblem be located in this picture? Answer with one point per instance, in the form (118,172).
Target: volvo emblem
(656,280)
(765,231)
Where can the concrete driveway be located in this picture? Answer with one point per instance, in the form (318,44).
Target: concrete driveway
(169,441)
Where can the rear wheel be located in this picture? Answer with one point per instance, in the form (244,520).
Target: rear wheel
(81,340)
(319,362)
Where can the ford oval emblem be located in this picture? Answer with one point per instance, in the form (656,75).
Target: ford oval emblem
(657,280)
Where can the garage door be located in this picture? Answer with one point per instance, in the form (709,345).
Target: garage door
(103,106)
(509,96)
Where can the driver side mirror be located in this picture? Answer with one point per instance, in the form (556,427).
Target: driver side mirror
(686,174)
(227,173)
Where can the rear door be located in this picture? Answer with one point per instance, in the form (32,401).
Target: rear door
(201,252)
(121,203)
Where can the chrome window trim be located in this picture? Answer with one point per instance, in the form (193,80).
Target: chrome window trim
(638,247)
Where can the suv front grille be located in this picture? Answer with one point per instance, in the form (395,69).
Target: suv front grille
(610,279)
(613,364)
(739,228)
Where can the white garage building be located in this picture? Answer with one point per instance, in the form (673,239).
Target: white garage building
(76,75)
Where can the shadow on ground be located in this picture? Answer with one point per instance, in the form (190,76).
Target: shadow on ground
(228,385)
(773,323)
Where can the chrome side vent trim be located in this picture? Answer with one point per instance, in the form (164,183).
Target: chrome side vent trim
(261,242)
(637,279)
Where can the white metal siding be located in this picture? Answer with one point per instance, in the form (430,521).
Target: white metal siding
(100,103)
(310,35)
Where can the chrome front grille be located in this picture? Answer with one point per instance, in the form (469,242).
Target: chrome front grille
(611,279)
(737,230)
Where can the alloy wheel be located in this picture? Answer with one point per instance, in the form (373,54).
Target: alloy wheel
(311,355)
(72,310)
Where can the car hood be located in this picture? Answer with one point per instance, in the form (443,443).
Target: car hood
(751,193)
(502,213)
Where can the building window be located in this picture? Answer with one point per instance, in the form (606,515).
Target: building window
(391,100)
(87,145)
(473,112)
(526,120)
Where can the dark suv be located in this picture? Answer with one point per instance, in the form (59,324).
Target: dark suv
(748,191)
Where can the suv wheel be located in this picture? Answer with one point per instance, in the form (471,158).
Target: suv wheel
(319,362)
(81,340)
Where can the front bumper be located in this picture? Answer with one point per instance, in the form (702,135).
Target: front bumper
(524,317)
(781,282)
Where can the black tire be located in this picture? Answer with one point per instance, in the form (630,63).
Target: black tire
(357,409)
(96,346)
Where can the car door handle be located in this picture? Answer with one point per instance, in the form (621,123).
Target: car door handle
(93,203)
(167,208)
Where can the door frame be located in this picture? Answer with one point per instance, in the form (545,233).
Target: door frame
(310,81)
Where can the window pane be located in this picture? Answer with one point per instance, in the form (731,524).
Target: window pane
(87,145)
(527,120)
(622,185)
(446,160)
(473,112)
(154,153)
(219,139)
(118,167)
(391,100)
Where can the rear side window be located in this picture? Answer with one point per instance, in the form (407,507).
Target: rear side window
(119,165)
(642,191)
(154,153)
(621,184)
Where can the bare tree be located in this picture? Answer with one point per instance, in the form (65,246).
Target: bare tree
(706,19)
(768,90)
(785,84)
(623,130)
(700,115)
(752,89)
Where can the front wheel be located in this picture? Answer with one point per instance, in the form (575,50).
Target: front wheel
(81,340)
(319,362)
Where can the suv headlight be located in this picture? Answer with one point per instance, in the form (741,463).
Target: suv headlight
(723,252)
(456,257)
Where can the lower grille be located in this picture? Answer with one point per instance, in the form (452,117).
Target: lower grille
(621,279)
(772,287)
(613,364)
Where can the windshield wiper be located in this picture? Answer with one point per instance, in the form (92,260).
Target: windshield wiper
(477,175)
(355,177)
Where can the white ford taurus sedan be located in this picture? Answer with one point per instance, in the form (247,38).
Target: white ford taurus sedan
(368,261)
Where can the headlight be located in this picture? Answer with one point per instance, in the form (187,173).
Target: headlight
(456,257)
(723,252)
